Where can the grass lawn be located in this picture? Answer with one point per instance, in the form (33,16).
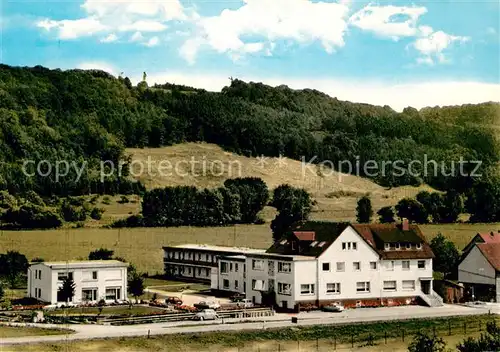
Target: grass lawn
(117,310)
(143,246)
(313,338)
(14,331)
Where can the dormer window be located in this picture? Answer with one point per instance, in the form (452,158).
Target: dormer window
(398,246)
(408,246)
(387,246)
(283,242)
(321,244)
(419,245)
(314,243)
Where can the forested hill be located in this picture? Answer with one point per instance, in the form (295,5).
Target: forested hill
(91,116)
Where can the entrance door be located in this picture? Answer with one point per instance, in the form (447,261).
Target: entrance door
(284,304)
(425,286)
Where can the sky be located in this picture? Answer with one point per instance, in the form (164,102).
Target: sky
(396,53)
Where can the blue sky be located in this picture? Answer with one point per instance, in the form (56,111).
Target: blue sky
(388,52)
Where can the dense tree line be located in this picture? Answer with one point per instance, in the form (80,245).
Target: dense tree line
(239,201)
(90,117)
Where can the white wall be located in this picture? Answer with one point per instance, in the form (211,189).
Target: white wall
(235,273)
(49,283)
(349,277)
(475,269)
(42,282)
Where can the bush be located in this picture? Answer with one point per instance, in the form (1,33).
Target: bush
(131,221)
(72,213)
(31,216)
(106,200)
(7,200)
(34,198)
(96,213)
(123,200)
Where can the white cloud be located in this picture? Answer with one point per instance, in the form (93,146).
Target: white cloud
(121,15)
(303,21)
(144,26)
(97,65)
(398,96)
(154,41)
(431,45)
(136,37)
(388,21)
(72,29)
(109,39)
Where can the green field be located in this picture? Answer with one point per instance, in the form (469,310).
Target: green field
(15,331)
(143,246)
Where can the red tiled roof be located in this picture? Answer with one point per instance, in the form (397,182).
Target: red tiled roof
(305,235)
(491,252)
(490,237)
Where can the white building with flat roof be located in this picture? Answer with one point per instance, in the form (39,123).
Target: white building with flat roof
(94,280)
(198,262)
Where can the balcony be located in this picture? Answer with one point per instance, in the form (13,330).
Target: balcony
(190,262)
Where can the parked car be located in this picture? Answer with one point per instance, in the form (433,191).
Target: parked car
(245,303)
(207,305)
(333,308)
(174,301)
(206,314)
(237,297)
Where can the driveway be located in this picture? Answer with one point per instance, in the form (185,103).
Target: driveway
(83,332)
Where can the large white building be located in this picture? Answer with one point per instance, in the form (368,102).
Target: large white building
(94,280)
(319,263)
(198,262)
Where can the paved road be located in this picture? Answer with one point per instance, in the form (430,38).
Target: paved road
(84,332)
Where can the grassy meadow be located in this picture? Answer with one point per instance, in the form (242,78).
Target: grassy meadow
(143,246)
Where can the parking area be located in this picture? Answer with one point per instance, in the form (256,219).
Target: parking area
(190,298)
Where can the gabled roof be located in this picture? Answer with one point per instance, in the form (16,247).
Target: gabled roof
(490,237)
(378,234)
(491,252)
(325,233)
(375,235)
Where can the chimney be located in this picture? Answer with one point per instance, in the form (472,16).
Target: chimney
(406,225)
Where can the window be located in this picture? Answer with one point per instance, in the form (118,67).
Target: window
(257,264)
(225,283)
(223,268)
(326,266)
(389,265)
(307,289)
(363,286)
(408,246)
(421,264)
(89,294)
(340,266)
(62,275)
(236,267)
(321,244)
(284,289)
(314,243)
(409,285)
(283,242)
(284,267)
(349,245)
(258,285)
(113,293)
(406,264)
(94,275)
(333,288)
(389,285)
(387,246)
(398,246)
(207,272)
(419,245)
(236,284)
(373,265)
(356,266)
(199,271)
(189,271)
(230,266)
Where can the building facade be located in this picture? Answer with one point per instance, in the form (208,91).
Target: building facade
(319,263)
(94,280)
(198,263)
(479,269)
